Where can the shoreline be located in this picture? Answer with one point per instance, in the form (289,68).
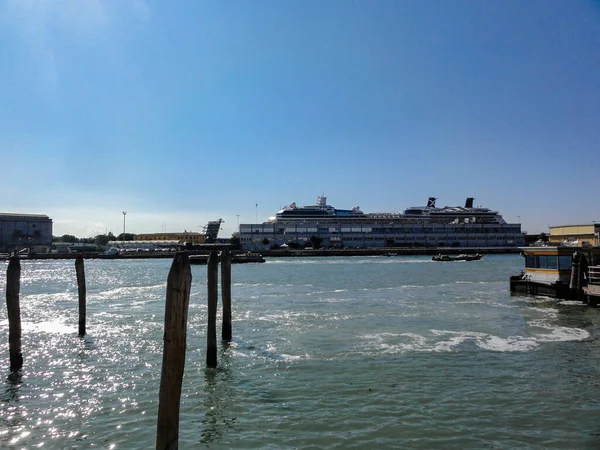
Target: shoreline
(289,253)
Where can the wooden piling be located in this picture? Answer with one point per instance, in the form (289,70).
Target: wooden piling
(81,290)
(179,282)
(226,294)
(13,307)
(574,271)
(212,279)
(580,270)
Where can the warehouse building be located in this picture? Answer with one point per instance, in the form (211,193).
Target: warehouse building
(19,231)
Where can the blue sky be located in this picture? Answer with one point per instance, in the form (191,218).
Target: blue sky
(185,112)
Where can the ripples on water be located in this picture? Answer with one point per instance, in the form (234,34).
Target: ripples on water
(377,352)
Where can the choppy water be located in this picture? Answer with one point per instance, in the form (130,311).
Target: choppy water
(396,352)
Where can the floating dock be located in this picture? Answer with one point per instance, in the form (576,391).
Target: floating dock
(564,272)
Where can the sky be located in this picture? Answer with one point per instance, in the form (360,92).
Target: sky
(183,112)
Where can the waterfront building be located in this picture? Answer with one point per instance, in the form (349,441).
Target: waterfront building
(19,231)
(209,235)
(186,236)
(577,234)
(416,227)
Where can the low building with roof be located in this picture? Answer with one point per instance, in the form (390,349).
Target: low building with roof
(186,236)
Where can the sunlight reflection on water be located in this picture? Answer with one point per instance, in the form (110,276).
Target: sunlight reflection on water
(335,353)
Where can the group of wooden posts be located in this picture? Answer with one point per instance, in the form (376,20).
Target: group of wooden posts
(179,283)
(176,311)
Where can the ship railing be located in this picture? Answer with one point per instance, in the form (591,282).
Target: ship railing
(594,275)
(384,216)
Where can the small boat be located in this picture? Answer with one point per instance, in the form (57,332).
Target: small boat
(441,257)
(111,253)
(248,257)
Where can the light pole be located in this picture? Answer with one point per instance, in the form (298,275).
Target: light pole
(238,216)
(124,214)
(256,221)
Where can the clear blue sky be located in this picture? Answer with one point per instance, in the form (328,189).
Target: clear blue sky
(184,112)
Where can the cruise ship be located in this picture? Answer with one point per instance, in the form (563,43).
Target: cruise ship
(418,226)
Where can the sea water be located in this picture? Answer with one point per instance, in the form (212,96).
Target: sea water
(355,352)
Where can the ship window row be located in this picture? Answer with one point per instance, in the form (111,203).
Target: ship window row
(399,229)
(563,262)
(446,230)
(364,237)
(382,231)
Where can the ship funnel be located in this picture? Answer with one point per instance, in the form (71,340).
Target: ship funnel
(469,202)
(431,202)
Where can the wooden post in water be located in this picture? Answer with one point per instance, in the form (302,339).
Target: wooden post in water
(13,307)
(574,271)
(226,294)
(212,280)
(179,283)
(81,290)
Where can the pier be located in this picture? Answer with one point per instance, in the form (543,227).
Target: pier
(565,272)
(592,290)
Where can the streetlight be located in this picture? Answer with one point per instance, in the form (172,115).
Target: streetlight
(238,216)
(124,214)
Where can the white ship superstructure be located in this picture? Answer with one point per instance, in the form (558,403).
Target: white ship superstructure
(419,226)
